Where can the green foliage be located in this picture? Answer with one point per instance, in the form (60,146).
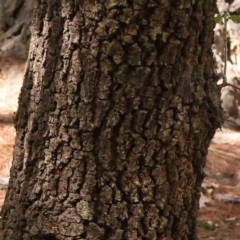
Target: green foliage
(235,18)
(218,18)
(207,226)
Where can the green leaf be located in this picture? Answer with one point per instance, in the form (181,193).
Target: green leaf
(218,18)
(205,225)
(235,18)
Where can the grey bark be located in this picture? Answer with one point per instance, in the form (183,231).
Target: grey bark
(117,109)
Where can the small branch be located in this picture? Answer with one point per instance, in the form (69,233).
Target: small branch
(225,84)
(225,47)
(226,17)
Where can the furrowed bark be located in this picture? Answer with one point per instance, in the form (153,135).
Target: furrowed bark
(117,110)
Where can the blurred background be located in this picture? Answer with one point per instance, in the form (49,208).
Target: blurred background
(15,19)
(220,201)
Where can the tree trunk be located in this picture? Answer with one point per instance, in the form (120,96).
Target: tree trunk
(117,109)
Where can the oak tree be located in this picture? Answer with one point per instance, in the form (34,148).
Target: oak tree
(117,109)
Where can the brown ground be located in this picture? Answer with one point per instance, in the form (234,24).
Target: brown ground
(220,202)
(11,75)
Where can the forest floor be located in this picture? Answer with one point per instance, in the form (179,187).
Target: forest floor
(220,202)
(219,217)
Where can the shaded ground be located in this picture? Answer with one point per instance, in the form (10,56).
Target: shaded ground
(220,202)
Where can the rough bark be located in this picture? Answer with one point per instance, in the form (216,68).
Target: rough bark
(117,109)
